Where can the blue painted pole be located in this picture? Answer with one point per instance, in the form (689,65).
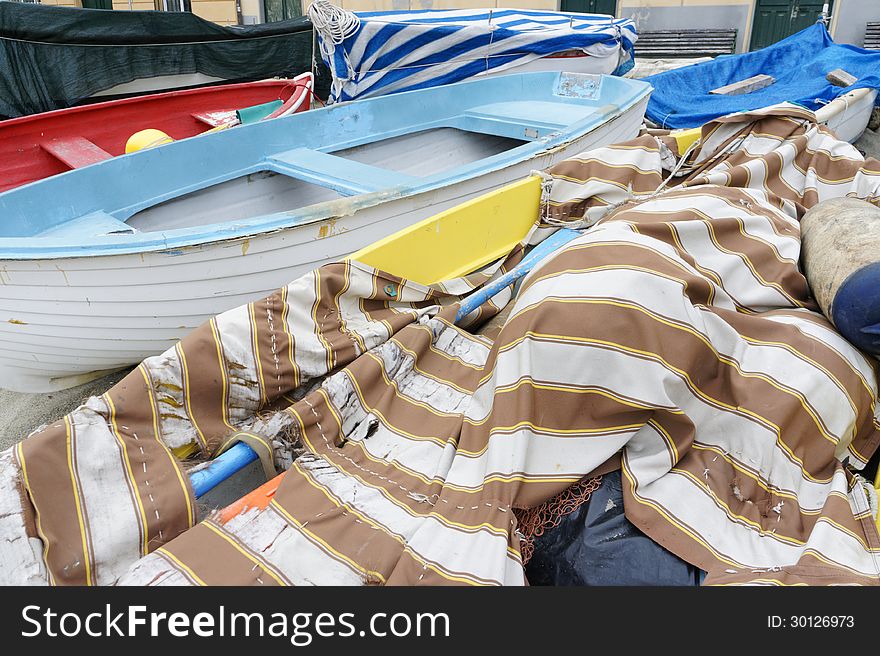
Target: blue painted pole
(553,243)
(241,455)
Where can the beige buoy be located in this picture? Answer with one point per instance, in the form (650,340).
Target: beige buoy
(840,254)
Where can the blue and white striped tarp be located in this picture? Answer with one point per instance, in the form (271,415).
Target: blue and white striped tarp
(389,52)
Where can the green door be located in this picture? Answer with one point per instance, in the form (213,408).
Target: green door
(590,6)
(777,19)
(279,10)
(97,4)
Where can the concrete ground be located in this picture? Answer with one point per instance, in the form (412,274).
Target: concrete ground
(21,414)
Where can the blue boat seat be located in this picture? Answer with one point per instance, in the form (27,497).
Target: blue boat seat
(343,175)
(96,224)
(524,120)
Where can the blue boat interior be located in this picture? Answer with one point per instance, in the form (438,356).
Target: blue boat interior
(262,176)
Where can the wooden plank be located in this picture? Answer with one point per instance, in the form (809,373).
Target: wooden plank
(840,78)
(745,86)
(215,118)
(76,152)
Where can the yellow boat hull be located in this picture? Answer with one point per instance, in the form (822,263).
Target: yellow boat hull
(460,240)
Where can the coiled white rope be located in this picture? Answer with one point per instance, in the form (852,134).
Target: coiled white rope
(334,23)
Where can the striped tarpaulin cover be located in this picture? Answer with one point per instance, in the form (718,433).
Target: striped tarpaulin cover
(401,51)
(677,334)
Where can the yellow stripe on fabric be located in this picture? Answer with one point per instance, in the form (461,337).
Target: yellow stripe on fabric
(235,438)
(319,332)
(470,528)
(667,438)
(388,463)
(516,478)
(393,384)
(696,537)
(381,416)
(188,402)
(560,433)
(339,502)
(184,488)
(559,387)
(825,559)
(683,374)
(818,366)
(137,493)
(426,374)
(762,532)
(179,563)
(19,449)
(749,265)
(352,334)
(77,500)
(327,548)
(858,538)
(444,354)
(820,424)
(221,363)
(604,165)
(752,475)
(777,254)
(773,247)
(720,357)
(266,567)
(285,312)
(708,273)
(255,341)
(428,481)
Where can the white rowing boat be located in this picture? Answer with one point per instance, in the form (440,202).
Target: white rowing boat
(105,265)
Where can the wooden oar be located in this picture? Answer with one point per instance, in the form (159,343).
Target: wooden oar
(240,455)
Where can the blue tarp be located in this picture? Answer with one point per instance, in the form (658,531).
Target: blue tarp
(394,51)
(598,545)
(681,97)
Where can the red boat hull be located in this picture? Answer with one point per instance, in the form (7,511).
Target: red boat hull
(40,145)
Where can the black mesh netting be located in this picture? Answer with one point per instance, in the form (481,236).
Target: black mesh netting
(54,57)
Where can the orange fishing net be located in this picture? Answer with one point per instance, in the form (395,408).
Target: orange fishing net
(533,522)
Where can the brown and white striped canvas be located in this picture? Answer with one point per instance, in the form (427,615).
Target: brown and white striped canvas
(677,334)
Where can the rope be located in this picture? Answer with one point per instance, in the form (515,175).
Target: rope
(533,522)
(334,24)
(629,197)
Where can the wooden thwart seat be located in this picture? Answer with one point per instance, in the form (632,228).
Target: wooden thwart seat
(346,176)
(98,224)
(75,152)
(215,118)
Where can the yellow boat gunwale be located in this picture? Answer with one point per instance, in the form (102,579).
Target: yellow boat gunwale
(459,240)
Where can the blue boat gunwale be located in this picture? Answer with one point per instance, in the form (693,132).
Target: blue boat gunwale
(628,93)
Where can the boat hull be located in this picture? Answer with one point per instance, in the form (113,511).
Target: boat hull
(73,319)
(848,114)
(28,143)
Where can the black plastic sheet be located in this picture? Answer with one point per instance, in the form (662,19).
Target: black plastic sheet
(597,545)
(54,57)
